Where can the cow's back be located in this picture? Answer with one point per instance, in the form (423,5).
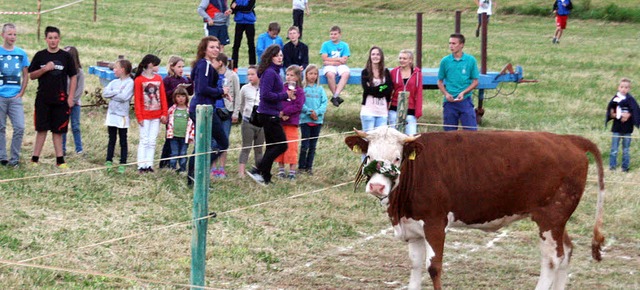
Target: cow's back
(481,176)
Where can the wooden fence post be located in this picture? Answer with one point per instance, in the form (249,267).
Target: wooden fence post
(204,114)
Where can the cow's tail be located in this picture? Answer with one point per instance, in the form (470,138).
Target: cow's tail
(598,237)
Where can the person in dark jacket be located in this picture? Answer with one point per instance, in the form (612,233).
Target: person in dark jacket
(272,93)
(245,18)
(295,51)
(205,92)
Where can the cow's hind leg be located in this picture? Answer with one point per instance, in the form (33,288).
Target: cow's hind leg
(562,274)
(555,255)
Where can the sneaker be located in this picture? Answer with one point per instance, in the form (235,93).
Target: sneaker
(281,174)
(62,166)
(554,41)
(121,169)
(108,164)
(149,170)
(142,170)
(291,176)
(625,169)
(337,101)
(256,177)
(222,174)
(4,162)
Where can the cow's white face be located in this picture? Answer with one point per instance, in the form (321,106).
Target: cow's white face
(385,152)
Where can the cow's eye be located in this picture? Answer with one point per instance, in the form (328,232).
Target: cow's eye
(396,161)
(366,160)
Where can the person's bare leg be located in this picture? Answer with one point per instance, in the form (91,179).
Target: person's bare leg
(41,136)
(57,144)
(331,82)
(344,78)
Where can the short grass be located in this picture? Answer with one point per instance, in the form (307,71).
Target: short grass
(328,239)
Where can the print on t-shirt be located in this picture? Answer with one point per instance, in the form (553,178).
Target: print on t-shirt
(151,95)
(10,69)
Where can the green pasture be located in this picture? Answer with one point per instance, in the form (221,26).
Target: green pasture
(308,234)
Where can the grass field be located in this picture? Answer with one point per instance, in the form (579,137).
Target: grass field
(310,234)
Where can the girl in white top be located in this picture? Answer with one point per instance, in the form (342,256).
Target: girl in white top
(251,135)
(120,92)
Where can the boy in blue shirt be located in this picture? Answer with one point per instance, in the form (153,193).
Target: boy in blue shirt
(268,38)
(625,113)
(335,54)
(13,82)
(562,9)
(457,78)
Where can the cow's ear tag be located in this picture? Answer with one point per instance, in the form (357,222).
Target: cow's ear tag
(357,149)
(412,156)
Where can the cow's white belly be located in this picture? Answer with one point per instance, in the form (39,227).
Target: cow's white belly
(489,226)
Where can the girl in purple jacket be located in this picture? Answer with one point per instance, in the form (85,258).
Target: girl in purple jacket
(290,118)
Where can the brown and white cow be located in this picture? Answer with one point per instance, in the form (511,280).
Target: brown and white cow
(482,180)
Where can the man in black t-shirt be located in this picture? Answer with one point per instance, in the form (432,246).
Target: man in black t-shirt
(53,68)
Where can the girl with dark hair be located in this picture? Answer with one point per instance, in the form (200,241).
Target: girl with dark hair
(205,92)
(151,108)
(272,93)
(376,91)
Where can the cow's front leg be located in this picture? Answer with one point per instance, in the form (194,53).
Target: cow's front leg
(435,244)
(417,254)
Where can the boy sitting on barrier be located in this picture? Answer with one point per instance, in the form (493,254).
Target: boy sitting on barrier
(335,54)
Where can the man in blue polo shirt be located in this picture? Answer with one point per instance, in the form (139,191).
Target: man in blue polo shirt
(457,78)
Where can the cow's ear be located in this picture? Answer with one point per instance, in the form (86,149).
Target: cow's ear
(357,144)
(411,149)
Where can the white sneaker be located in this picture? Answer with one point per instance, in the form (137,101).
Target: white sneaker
(256,177)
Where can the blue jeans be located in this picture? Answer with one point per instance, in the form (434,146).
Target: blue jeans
(217,133)
(308,146)
(178,148)
(615,144)
(372,122)
(459,112)
(12,108)
(74,118)
(226,128)
(410,128)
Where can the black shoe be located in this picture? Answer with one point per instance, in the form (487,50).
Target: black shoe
(4,162)
(337,101)
(477,32)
